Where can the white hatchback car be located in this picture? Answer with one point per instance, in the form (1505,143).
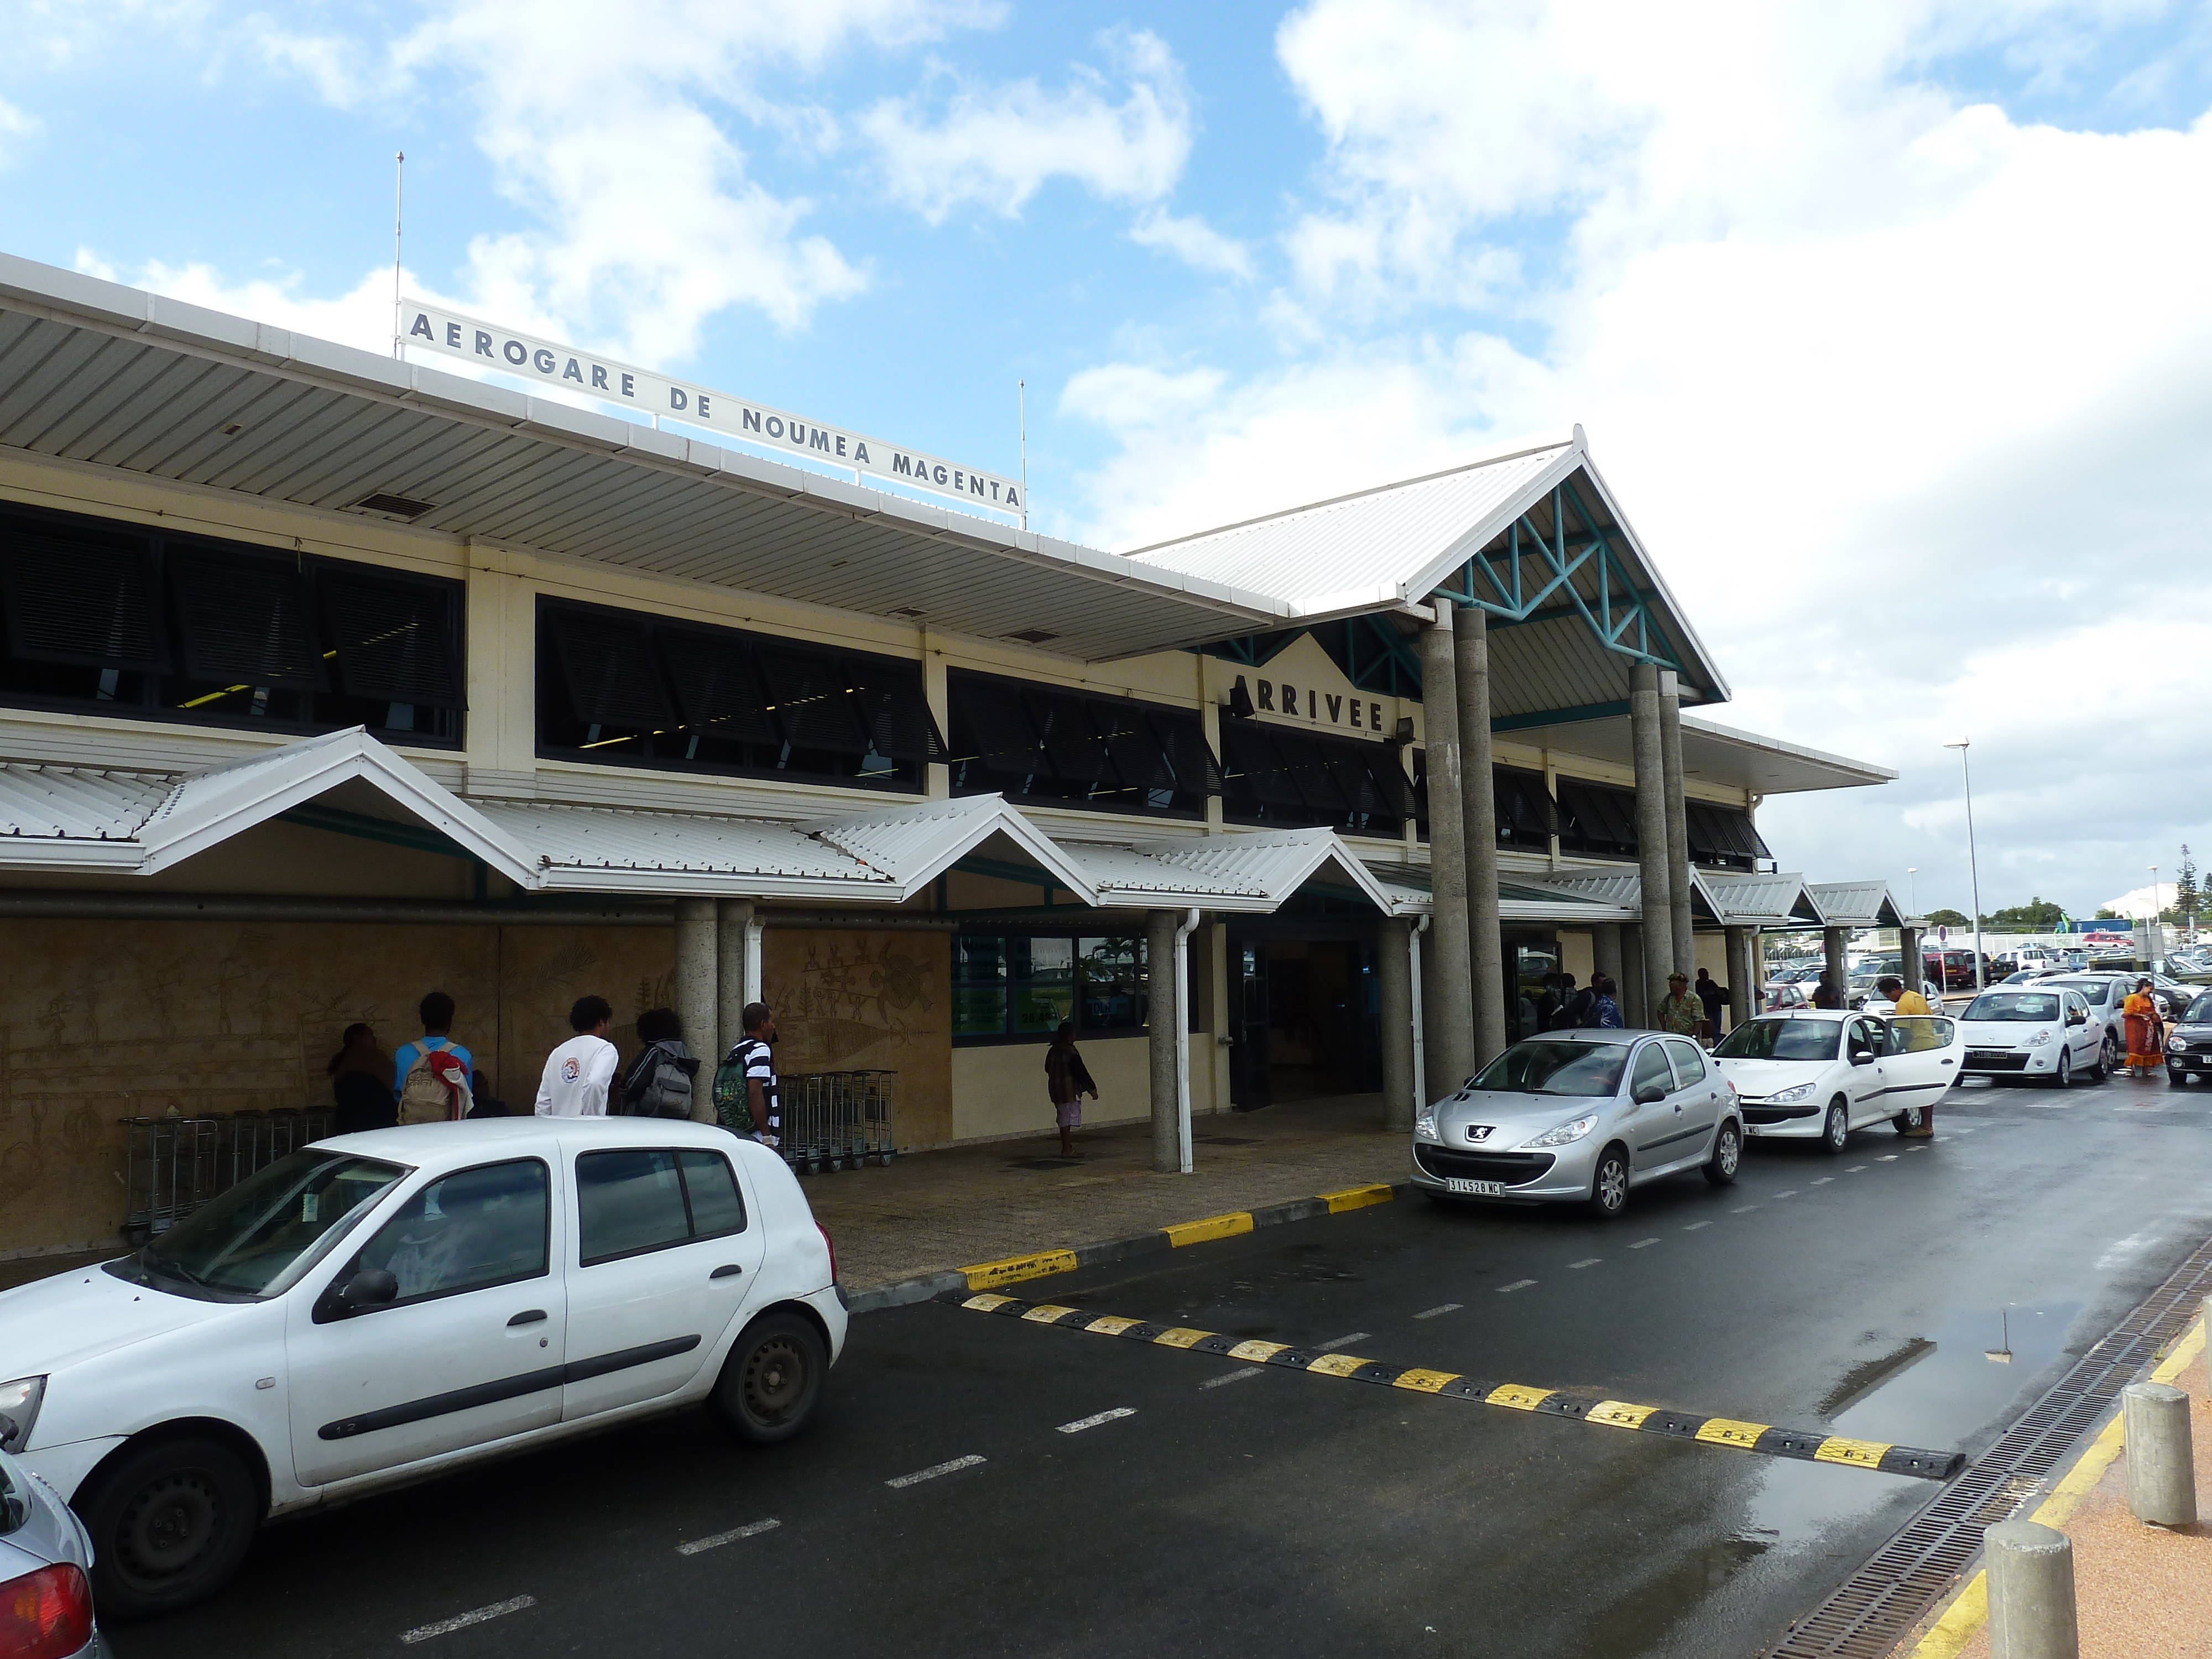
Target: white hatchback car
(379,1307)
(2042,1031)
(1818,1073)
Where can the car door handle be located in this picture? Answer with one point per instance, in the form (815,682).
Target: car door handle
(726,1270)
(528,1316)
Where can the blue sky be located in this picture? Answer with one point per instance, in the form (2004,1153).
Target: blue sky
(1886,322)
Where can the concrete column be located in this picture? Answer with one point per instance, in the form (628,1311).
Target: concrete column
(1479,822)
(732,989)
(1658,921)
(1434,1084)
(697,1000)
(1450,1011)
(2030,1579)
(1678,823)
(1835,946)
(1635,1007)
(1739,974)
(1908,957)
(1605,954)
(1161,1019)
(1394,977)
(2161,1468)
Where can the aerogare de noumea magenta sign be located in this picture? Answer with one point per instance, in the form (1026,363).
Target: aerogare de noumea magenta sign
(450,334)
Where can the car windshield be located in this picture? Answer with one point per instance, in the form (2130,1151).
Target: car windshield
(2200,1011)
(242,1240)
(1542,1067)
(2093,991)
(2018,1007)
(1782,1039)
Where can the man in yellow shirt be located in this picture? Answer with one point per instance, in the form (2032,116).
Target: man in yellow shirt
(1920,1119)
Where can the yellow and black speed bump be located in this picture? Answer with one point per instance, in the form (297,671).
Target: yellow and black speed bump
(1513,1396)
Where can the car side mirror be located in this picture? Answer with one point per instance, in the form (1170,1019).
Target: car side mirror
(1862,1056)
(372,1287)
(1650,1094)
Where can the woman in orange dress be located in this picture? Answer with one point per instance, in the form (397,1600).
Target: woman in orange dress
(2144,1037)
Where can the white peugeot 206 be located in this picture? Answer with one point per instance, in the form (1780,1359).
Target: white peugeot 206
(1818,1073)
(379,1308)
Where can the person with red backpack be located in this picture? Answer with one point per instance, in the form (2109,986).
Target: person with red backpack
(434,1079)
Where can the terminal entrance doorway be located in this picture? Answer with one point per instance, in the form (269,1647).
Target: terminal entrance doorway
(1304,1014)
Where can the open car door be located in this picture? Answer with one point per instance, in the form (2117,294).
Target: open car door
(1922,1061)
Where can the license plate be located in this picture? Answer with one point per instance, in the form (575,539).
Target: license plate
(1474,1188)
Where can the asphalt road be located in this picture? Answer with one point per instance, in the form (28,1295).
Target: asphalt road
(1235,1513)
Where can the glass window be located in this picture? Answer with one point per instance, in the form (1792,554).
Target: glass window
(1916,1034)
(712,1188)
(1551,1067)
(482,1227)
(1041,973)
(979,986)
(1113,974)
(2014,1008)
(1030,742)
(1781,1039)
(1652,1067)
(246,1238)
(1689,1064)
(628,1201)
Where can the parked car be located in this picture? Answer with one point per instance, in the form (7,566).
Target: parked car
(2105,992)
(379,1308)
(45,1556)
(2171,994)
(2041,1032)
(2189,1043)
(1868,999)
(1819,1074)
(1955,968)
(1788,996)
(1580,1116)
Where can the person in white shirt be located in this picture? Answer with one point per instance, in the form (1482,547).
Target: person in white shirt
(578,1073)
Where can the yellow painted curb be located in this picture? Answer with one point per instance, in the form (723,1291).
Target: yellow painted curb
(1012,1270)
(1356,1198)
(1212,1226)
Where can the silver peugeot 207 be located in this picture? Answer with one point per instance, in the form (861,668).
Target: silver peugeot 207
(1580,1117)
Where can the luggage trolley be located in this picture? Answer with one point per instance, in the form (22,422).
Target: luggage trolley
(173,1165)
(837,1120)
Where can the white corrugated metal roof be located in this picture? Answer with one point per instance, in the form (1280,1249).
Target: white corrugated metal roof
(1856,903)
(916,844)
(74,804)
(1741,899)
(1124,876)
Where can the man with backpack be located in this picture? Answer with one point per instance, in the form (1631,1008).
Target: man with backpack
(660,1078)
(748,1099)
(434,1079)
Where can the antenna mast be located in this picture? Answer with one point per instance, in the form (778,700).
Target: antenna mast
(1022,394)
(398,219)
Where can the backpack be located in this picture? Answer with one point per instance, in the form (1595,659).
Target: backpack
(660,1082)
(436,1089)
(732,1102)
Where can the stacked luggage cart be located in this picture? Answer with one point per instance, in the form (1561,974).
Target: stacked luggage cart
(175,1164)
(837,1120)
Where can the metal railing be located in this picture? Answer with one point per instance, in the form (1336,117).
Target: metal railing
(837,1120)
(173,1165)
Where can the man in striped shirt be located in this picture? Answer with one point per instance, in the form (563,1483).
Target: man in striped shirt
(763,1101)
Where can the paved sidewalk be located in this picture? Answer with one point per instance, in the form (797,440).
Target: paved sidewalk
(935,1211)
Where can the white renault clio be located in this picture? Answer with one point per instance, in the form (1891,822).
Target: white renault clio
(2043,1033)
(379,1307)
(1819,1073)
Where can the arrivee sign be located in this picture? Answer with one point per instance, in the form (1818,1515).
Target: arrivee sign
(450,334)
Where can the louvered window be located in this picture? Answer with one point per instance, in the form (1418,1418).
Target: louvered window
(1723,835)
(631,688)
(1276,776)
(1035,743)
(134,622)
(1525,813)
(1597,818)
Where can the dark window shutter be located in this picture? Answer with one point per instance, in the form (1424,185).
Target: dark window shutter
(812,703)
(607,665)
(894,709)
(718,688)
(1525,815)
(86,600)
(1182,741)
(1134,750)
(1267,774)
(394,640)
(1004,739)
(1389,781)
(1071,743)
(1313,777)
(245,622)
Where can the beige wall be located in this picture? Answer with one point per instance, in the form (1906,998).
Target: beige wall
(1577,956)
(868,1001)
(998,1089)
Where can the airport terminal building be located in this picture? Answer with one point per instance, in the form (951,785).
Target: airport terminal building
(330,679)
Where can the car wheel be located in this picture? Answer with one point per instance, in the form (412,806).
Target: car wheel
(2108,1058)
(2063,1077)
(2176,1078)
(1836,1128)
(170,1521)
(1908,1120)
(1728,1155)
(772,1381)
(1609,1183)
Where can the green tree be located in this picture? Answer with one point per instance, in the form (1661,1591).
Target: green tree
(2038,915)
(2188,899)
(1949,918)
(2105,913)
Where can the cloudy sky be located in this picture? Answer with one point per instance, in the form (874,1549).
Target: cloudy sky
(1891,323)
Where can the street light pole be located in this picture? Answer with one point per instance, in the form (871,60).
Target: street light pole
(1974,866)
(1912,888)
(2151,944)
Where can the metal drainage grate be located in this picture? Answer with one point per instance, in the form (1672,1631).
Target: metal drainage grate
(1906,1578)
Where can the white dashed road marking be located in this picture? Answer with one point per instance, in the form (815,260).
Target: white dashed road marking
(934,1470)
(1818,1181)
(1641,1242)
(729,1537)
(1587,1261)
(1855,1168)
(1743,1209)
(1096,1419)
(1448,1307)
(1890,1157)
(1518,1285)
(463,1620)
(1232,1377)
(1694,1225)
(1792,1192)
(1342,1341)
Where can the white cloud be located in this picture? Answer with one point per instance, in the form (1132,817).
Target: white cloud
(1191,239)
(996,147)
(16,128)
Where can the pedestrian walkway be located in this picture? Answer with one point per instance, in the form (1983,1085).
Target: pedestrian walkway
(935,1211)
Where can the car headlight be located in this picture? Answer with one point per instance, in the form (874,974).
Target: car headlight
(2039,1039)
(2177,1045)
(1797,1093)
(1567,1134)
(19,1404)
(1424,1122)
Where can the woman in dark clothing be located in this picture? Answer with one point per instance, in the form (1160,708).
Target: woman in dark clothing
(361,1082)
(1067,1079)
